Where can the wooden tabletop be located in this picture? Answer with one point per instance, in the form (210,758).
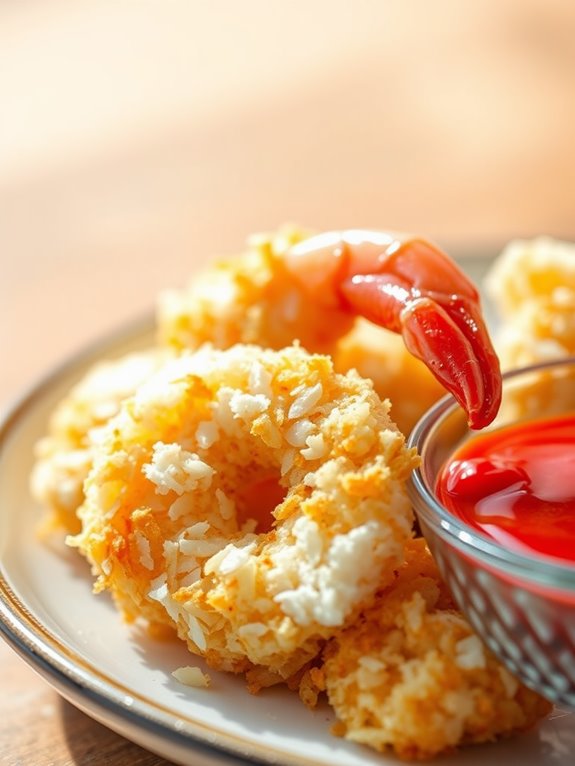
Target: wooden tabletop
(139,139)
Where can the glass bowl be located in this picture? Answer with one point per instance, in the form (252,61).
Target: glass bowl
(523,607)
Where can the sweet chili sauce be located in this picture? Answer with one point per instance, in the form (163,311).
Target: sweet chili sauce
(517,486)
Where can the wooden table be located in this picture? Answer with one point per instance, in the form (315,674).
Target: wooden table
(137,141)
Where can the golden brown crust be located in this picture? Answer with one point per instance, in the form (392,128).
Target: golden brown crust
(252,298)
(165,524)
(411,675)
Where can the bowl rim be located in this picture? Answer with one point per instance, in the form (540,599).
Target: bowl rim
(537,567)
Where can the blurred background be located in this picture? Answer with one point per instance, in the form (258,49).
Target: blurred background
(138,138)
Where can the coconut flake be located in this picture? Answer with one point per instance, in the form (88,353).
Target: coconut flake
(469,654)
(260,380)
(192,676)
(159,592)
(287,461)
(196,632)
(174,469)
(206,434)
(181,507)
(316,447)
(201,548)
(298,432)
(318,583)
(248,406)
(305,401)
(144,550)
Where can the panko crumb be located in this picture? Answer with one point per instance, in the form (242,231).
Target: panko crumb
(189,675)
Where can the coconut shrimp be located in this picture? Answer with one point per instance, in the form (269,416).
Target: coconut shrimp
(254,499)
(269,297)
(315,290)
(410,674)
(64,457)
(532,285)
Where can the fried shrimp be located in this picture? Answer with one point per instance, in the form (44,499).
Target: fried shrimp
(64,456)
(253,298)
(253,498)
(244,486)
(532,285)
(410,673)
(339,293)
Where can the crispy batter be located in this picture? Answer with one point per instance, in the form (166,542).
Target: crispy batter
(64,456)
(252,298)
(180,480)
(410,674)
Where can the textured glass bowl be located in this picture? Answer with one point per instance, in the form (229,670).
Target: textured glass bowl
(523,607)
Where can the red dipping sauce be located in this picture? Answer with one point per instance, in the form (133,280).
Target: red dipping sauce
(517,486)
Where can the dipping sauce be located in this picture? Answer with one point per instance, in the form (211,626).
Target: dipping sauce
(517,486)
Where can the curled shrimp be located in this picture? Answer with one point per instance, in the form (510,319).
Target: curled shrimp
(313,290)
(410,287)
(237,492)
(316,290)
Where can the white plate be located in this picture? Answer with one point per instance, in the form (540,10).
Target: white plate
(122,678)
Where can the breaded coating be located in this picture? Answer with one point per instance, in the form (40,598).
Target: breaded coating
(253,498)
(64,456)
(252,298)
(382,357)
(410,674)
(532,285)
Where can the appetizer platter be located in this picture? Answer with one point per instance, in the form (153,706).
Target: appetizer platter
(233,475)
